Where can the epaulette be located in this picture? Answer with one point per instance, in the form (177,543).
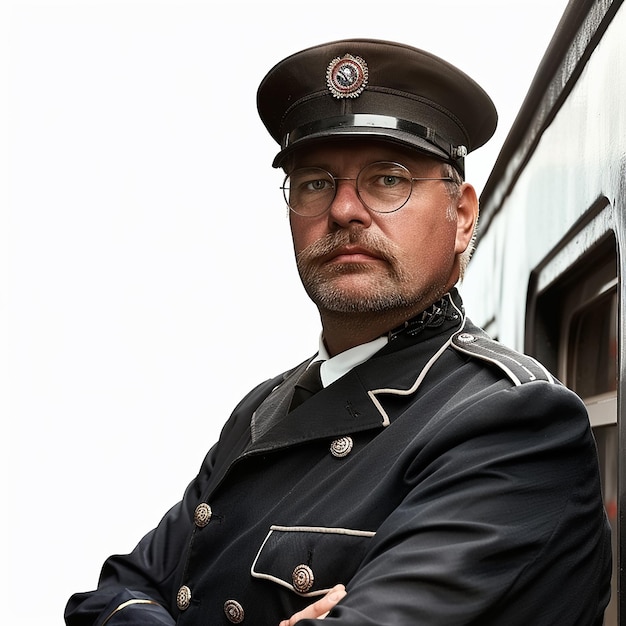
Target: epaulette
(520,368)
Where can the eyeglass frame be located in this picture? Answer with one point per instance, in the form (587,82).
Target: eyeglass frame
(339,178)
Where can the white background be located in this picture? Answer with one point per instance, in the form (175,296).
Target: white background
(146,272)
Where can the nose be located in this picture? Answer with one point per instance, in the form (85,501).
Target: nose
(346,207)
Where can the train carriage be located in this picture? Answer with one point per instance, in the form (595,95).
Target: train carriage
(547,275)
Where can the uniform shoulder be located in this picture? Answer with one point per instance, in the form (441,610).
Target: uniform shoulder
(518,367)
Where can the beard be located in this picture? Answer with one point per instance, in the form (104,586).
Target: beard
(382,286)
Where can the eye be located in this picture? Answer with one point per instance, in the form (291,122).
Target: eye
(384,176)
(309,190)
(389,180)
(308,181)
(379,178)
(319,184)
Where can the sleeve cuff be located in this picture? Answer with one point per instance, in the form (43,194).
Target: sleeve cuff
(130,608)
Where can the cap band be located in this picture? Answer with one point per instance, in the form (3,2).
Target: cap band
(372,121)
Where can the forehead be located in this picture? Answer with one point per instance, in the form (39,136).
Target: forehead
(357,153)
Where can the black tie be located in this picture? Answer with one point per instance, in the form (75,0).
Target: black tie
(309,383)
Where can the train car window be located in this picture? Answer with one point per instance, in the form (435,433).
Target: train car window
(591,358)
(590,366)
(575,329)
(607,442)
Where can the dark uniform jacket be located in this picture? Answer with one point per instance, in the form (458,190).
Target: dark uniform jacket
(445,481)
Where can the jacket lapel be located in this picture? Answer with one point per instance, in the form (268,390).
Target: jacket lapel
(341,408)
(356,402)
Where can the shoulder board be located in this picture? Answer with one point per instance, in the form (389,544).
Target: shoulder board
(520,368)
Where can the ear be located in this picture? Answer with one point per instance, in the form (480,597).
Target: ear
(467,215)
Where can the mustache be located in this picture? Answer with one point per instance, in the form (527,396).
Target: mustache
(325,246)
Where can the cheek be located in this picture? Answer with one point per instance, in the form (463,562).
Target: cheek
(305,231)
(429,243)
(427,233)
(297,234)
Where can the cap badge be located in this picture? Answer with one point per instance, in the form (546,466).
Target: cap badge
(346,76)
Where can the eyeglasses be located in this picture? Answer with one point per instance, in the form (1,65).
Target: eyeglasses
(383,187)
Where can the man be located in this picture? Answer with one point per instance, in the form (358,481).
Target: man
(437,478)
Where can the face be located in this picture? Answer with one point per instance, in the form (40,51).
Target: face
(352,259)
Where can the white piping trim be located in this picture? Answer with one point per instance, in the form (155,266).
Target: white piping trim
(127,604)
(516,381)
(503,367)
(422,374)
(543,369)
(302,529)
(323,529)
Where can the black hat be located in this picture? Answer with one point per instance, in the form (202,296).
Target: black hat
(365,88)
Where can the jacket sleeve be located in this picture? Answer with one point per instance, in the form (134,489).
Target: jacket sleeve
(137,588)
(141,587)
(504,523)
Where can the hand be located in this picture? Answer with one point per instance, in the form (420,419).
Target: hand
(318,609)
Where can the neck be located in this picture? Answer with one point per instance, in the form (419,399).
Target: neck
(342,331)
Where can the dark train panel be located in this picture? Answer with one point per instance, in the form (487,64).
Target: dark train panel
(546,277)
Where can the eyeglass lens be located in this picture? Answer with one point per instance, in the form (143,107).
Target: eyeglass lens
(383,187)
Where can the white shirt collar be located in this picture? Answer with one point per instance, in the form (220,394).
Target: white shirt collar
(335,367)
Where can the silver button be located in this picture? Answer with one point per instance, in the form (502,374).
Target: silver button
(183,598)
(458,152)
(234,611)
(302,578)
(202,515)
(341,447)
(466,338)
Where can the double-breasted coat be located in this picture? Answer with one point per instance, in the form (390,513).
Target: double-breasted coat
(445,481)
